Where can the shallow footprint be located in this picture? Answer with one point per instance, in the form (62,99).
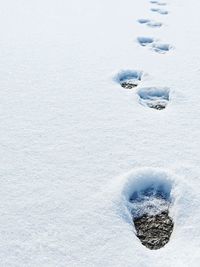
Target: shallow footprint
(154,97)
(158,3)
(150,23)
(129,79)
(143,21)
(154,24)
(160,11)
(161,47)
(144,41)
(150,204)
(154,44)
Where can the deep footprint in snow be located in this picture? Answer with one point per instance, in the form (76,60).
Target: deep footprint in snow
(154,97)
(150,23)
(129,79)
(150,212)
(160,11)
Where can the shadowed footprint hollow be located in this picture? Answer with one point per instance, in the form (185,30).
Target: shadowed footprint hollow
(129,79)
(154,97)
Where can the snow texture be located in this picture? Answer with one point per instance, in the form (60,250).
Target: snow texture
(75,146)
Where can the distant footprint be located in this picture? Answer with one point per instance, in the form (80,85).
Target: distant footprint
(150,23)
(161,47)
(129,79)
(143,21)
(144,41)
(160,11)
(154,44)
(154,97)
(149,204)
(158,3)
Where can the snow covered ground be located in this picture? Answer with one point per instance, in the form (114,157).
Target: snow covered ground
(75,145)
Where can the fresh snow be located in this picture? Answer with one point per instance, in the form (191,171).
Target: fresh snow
(76,146)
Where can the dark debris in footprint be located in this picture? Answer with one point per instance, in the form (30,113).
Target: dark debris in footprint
(150,214)
(129,79)
(128,85)
(154,231)
(154,97)
(157,105)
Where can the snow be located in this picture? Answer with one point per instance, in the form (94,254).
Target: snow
(75,144)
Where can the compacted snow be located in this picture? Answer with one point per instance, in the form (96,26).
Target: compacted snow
(77,146)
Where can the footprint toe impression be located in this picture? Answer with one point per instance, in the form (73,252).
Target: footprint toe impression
(150,211)
(154,97)
(129,79)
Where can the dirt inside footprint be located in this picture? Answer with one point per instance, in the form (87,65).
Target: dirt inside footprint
(150,207)
(129,79)
(154,97)
(129,84)
(154,231)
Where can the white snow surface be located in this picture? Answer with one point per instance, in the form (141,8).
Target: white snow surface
(75,144)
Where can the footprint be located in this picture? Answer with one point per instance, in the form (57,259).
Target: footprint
(144,41)
(154,44)
(143,21)
(158,3)
(154,97)
(150,23)
(160,11)
(149,205)
(161,47)
(154,24)
(129,79)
